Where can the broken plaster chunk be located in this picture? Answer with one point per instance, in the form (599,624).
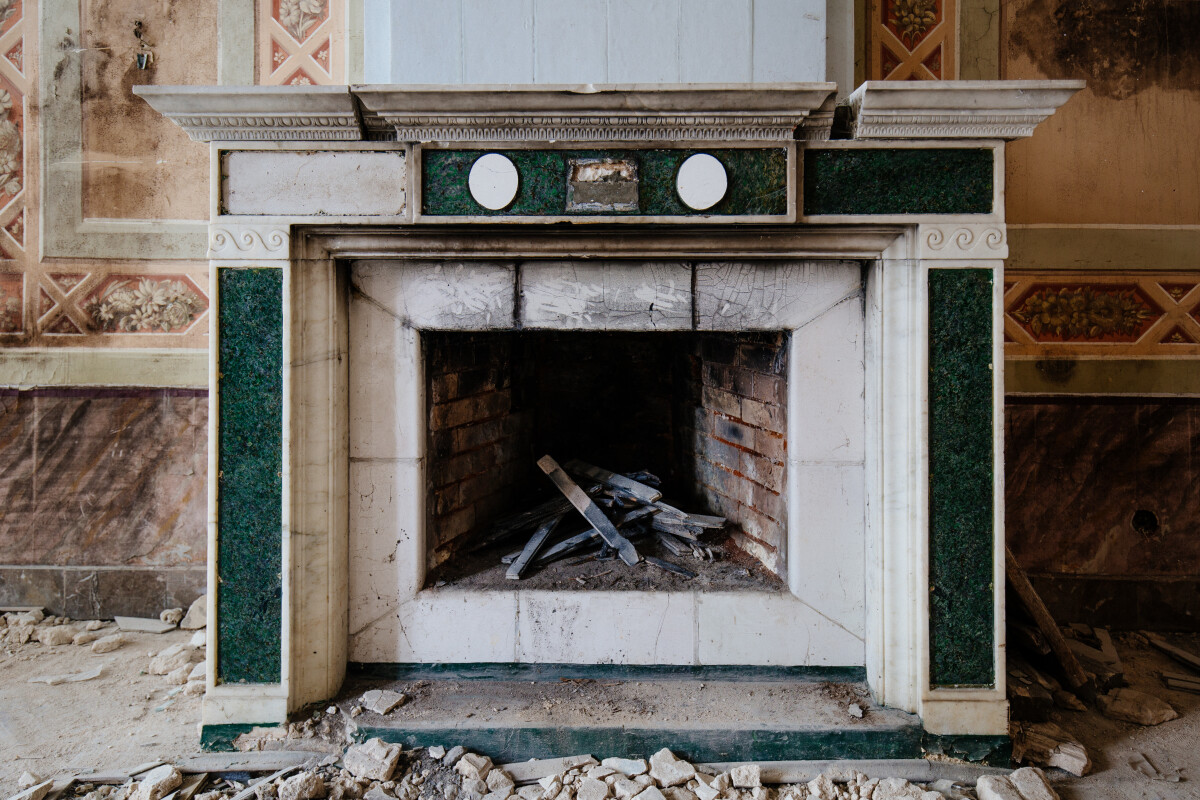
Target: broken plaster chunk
(157,782)
(94,624)
(669,770)
(143,625)
(374,759)
(305,786)
(498,780)
(600,772)
(591,789)
(178,677)
(174,657)
(474,787)
(995,787)
(35,792)
(1031,783)
(473,765)
(382,701)
(85,637)
(106,644)
(747,776)
(197,614)
(53,637)
(500,794)
(437,752)
(706,792)
(630,767)
(722,782)
(650,793)
(171,616)
(624,788)
(678,793)
(530,792)
(1130,705)
(896,789)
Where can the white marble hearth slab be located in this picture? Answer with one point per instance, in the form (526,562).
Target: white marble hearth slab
(606,627)
(613,296)
(781,295)
(771,629)
(442,295)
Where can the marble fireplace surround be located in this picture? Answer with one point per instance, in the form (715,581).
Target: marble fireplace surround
(306,183)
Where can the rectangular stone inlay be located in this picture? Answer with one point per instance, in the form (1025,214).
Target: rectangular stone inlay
(250,477)
(758,182)
(961,479)
(898,181)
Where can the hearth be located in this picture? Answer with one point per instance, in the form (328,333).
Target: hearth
(420,291)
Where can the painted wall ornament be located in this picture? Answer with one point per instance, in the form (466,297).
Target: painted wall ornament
(149,306)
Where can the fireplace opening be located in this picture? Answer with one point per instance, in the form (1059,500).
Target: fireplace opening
(704,413)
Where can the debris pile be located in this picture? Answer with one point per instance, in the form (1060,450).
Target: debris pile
(379,770)
(1091,672)
(617,510)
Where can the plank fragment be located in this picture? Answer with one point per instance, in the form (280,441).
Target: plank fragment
(590,511)
(1076,678)
(642,492)
(531,548)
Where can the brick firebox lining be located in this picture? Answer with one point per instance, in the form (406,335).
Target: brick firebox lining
(706,412)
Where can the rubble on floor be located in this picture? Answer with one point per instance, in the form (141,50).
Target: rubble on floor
(182,665)
(378,770)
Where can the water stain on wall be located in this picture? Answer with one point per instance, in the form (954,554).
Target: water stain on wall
(1120,47)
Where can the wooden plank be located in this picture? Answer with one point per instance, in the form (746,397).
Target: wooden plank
(673,544)
(531,548)
(251,761)
(1076,678)
(1182,656)
(669,567)
(536,769)
(644,493)
(590,511)
(699,520)
(674,527)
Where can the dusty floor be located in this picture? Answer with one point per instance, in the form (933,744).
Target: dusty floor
(127,717)
(123,718)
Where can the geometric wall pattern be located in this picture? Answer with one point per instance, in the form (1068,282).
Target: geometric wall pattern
(300,42)
(1125,314)
(911,40)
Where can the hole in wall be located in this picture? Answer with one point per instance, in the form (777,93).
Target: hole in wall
(1146,523)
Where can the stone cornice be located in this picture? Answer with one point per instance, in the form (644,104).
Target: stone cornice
(955,109)
(604,113)
(257,113)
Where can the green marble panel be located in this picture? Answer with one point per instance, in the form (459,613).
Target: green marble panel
(898,181)
(250,482)
(961,476)
(757,182)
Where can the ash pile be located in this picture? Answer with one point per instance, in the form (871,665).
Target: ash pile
(619,513)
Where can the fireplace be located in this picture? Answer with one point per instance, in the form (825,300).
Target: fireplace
(422,290)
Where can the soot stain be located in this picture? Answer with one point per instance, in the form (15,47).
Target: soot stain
(1120,47)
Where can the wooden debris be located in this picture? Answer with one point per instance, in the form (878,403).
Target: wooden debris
(1076,678)
(1047,745)
(251,761)
(1182,683)
(531,548)
(1179,654)
(1104,673)
(669,567)
(673,544)
(590,511)
(639,491)
(1028,638)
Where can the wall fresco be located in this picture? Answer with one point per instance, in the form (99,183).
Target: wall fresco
(911,40)
(300,42)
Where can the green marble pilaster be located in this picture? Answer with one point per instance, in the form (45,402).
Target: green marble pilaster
(961,478)
(250,476)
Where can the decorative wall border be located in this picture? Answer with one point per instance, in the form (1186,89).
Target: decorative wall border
(912,40)
(1109,314)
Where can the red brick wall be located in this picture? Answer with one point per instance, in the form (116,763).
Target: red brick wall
(740,438)
(473,436)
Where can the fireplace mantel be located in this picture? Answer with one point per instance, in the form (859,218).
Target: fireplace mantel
(309,180)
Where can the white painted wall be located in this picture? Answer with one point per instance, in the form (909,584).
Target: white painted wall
(608,41)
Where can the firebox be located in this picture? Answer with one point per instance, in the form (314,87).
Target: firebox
(422,291)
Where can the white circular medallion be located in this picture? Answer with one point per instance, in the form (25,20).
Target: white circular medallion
(701,182)
(493,181)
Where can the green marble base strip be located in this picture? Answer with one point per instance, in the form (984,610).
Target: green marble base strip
(505,671)
(758,182)
(721,744)
(961,478)
(994,751)
(847,181)
(250,482)
(219,738)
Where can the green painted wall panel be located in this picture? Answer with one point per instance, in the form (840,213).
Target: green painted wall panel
(961,478)
(250,480)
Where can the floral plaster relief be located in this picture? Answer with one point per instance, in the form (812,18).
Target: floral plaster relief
(133,304)
(138,165)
